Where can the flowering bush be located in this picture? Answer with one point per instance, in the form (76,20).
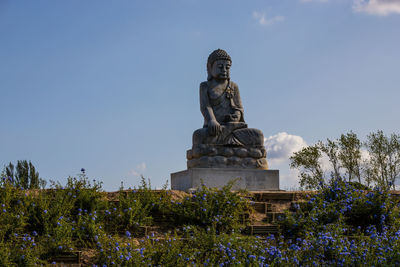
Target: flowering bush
(222,209)
(341,225)
(342,208)
(135,207)
(206,248)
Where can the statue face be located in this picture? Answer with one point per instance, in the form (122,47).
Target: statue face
(220,69)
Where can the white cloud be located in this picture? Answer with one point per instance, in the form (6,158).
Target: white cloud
(138,170)
(365,154)
(377,7)
(264,20)
(281,146)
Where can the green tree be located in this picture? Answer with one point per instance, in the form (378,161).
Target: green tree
(384,162)
(350,155)
(381,167)
(331,149)
(343,154)
(24,175)
(307,161)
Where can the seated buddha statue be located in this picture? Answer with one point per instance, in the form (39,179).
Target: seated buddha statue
(224,130)
(222,108)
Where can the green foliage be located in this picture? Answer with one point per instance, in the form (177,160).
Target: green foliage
(24,175)
(5,255)
(331,149)
(221,209)
(343,208)
(52,216)
(135,208)
(196,246)
(380,164)
(340,225)
(13,211)
(40,224)
(350,155)
(308,161)
(384,153)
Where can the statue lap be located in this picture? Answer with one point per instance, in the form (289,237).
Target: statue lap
(246,137)
(240,148)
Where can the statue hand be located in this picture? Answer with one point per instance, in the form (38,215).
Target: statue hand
(214,128)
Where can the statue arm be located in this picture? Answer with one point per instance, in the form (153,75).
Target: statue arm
(205,106)
(209,118)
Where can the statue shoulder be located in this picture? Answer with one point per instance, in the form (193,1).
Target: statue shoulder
(204,85)
(234,85)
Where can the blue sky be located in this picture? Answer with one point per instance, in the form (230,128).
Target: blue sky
(112,87)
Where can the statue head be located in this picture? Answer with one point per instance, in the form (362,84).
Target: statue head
(218,65)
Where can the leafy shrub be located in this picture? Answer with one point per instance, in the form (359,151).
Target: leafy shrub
(341,225)
(136,207)
(13,211)
(219,208)
(342,207)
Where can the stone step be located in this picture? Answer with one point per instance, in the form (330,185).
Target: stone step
(262,207)
(280,195)
(71,258)
(261,229)
(273,217)
(259,207)
(169,218)
(268,196)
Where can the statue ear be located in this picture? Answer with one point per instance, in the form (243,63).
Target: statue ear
(209,77)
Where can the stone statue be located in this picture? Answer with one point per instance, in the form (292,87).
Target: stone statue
(224,140)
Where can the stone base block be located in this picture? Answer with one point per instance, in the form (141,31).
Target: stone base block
(252,180)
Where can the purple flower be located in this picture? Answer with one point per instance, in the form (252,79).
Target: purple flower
(128,234)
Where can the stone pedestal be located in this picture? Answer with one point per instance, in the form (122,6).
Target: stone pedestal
(250,179)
